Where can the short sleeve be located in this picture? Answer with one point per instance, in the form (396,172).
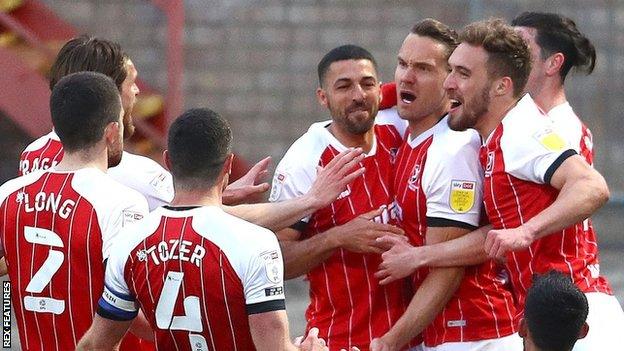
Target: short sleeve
(263,282)
(126,212)
(290,181)
(117,302)
(534,154)
(453,183)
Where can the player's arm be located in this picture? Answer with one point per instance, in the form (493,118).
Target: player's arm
(430,298)
(582,190)
(104,334)
(329,183)
(358,235)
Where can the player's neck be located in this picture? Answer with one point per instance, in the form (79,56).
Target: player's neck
(90,158)
(418,126)
(497,111)
(365,141)
(196,197)
(551,95)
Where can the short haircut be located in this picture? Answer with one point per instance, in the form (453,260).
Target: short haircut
(341,53)
(199,143)
(556,33)
(508,53)
(437,31)
(555,311)
(86,53)
(82,105)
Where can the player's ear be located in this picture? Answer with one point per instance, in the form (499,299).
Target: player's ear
(584,330)
(523,330)
(555,62)
(167,160)
(503,86)
(321,96)
(112,132)
(227,166)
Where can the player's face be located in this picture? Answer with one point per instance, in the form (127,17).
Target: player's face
(420,73)
(115,146)
(537,75)
(468,86)
(352,94)
(129,92)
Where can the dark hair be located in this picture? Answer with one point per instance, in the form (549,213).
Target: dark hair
(508,53)
(437,31)
(199,143)
(341,53)
(556,33)
(86,53)
(555,311)
(82,105)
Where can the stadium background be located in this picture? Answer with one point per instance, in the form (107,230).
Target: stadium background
(255,62)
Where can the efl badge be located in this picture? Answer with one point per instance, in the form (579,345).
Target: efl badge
(276,188)
(412,182)
(272,266)
(550,140)
(462,195)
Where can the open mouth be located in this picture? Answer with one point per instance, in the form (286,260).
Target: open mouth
(407,97)
(455,103)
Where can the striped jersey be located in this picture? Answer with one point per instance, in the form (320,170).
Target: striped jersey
(519,158)
(573,130)
(197,273)
(57,229)
(438,183)
(136,172)
(347,304)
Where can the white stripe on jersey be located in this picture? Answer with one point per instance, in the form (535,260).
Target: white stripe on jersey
(69,304)
(201,279)
(487,296)
(225,300)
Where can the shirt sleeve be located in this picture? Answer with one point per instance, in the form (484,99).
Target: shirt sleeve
(453,184)
(535,154)
(117,302)
(291,181)
(264,278)
(126,212)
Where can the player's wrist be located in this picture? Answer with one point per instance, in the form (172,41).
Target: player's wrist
(531,231)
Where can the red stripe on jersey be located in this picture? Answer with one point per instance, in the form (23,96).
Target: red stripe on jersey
(510,202)
(481,307)
(78,257)
(348,305)
(224,319)
(43,158)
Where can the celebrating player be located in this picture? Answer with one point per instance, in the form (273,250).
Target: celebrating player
(336,245)
(58,226)
(438,187)
(556,47)
(202,283)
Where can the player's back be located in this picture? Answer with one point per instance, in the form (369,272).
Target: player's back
(56,229)
(198,273)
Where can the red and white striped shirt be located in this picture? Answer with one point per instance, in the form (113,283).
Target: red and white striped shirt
(348,305)
(438,183)
(136,172)
(197,273)
(57,229)
(520,157)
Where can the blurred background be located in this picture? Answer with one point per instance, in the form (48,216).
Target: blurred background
(254,62)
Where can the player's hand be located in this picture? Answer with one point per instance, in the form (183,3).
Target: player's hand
(248,185)
(397,261)
(332,179)
(379,344)
(360,234)
(501,241)
(312,342)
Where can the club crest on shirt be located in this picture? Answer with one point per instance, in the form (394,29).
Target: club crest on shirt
(550,140)
(462,196)
(393,154)
(412,182)
(489,167)
(272,266)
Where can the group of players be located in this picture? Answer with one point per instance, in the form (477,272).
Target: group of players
(382,210)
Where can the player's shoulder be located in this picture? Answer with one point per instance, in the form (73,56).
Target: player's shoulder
(15,184)
(525,117)
(306,151)
(41,142)
(102,190)
(390,118)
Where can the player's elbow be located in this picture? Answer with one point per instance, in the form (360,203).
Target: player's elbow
(598,189)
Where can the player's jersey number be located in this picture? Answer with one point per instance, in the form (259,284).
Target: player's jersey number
(191,321)
(43,276)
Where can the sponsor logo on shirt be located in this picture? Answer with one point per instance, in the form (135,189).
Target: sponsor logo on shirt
(457,323)
(278,290)
(462,195)
(276,188)
(130,217)
(272,266)
(344,194)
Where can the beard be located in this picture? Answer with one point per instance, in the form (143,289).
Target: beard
(355,125)
(128,125)
(473,110)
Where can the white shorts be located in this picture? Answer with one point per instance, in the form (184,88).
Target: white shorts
(606,324)
(511,342)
